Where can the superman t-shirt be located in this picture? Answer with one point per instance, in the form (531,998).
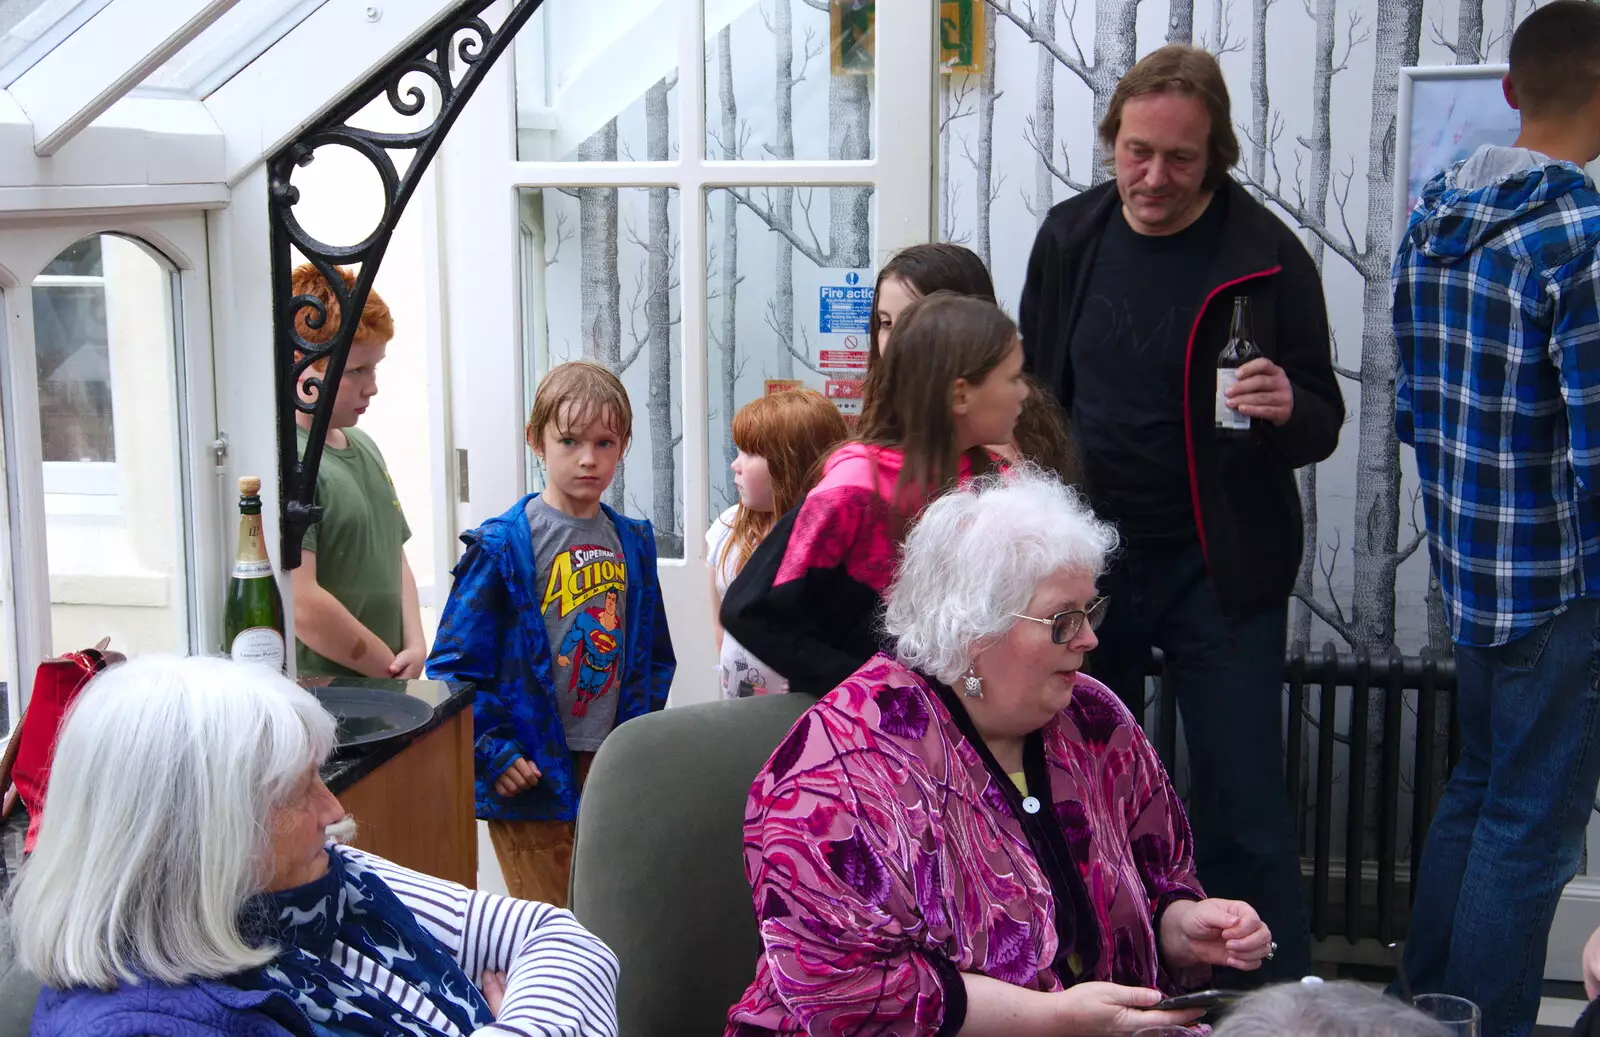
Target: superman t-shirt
(583,593)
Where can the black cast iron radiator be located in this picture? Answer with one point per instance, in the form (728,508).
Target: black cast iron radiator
(1369,739)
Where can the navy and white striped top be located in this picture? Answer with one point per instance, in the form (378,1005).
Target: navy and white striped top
(561,980)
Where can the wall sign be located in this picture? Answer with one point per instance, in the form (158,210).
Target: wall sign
(845,309)
(843,360)
(961,38)
(854,25)
(846,395)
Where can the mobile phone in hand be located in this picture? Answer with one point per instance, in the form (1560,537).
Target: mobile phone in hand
(1207,999)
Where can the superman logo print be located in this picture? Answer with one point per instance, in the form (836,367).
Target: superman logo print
(586,589)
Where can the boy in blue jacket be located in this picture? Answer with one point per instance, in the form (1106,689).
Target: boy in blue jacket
(556,615)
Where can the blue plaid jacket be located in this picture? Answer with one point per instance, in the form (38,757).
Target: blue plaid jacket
(1497,315)
(492,633)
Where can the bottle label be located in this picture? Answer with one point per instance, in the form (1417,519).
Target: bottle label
(246,569)
(251,562)
(1227,417)
(258,645)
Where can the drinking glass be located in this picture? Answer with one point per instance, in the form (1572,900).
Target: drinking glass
(1458,1015)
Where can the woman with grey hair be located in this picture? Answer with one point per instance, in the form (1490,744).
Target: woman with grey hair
(184,885)
(1325,1010)
(969,835)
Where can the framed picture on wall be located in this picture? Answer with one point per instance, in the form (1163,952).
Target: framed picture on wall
(1445,114)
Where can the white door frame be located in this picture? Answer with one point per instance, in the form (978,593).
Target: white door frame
(481,178)
(27,246)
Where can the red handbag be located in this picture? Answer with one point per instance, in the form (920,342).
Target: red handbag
(56,685)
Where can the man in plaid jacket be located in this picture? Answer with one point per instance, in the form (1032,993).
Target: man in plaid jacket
(1497,314)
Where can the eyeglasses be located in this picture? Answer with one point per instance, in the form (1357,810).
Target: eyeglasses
(1064,626)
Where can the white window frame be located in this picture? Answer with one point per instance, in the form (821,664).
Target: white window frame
(224,48)
(75,485)
(83,479)
(10,642)
(27,246)
(483,236)
(86,73)
(43,30)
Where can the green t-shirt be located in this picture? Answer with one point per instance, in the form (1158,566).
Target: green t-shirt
(357,544)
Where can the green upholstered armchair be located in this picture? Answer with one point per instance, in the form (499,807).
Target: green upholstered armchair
(658,865)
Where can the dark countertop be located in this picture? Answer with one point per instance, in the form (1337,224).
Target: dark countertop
(348,766)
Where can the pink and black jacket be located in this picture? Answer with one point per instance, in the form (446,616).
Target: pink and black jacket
(808,602)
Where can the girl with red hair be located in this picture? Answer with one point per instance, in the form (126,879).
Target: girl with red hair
(780,438)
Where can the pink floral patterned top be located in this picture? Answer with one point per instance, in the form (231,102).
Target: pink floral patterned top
(888,853)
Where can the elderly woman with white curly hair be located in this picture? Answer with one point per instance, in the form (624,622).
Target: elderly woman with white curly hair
(969,836)
(184,885)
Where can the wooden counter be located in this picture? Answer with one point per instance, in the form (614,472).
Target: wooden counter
(412,797)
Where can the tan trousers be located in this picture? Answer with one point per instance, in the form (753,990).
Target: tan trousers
(536,856)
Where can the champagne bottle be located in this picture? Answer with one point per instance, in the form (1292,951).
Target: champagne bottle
(253,618)
(1239,350)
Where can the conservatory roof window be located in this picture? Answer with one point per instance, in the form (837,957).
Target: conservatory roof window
(227,45)
(178,92)
(30,29)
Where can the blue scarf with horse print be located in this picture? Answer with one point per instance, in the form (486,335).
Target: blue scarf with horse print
(352,907)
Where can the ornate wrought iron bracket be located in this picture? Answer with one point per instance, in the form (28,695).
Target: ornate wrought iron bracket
(436,74)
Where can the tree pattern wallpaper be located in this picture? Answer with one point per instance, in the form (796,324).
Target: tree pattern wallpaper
(1314,88)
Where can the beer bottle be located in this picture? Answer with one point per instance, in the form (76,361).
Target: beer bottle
(253,618)
(1239,350)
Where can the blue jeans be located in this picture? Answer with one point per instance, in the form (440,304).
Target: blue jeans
(1227,675)
(1509,830)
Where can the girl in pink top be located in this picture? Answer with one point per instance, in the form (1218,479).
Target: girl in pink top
(807,601)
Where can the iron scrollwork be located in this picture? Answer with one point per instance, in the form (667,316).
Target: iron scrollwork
(438,73)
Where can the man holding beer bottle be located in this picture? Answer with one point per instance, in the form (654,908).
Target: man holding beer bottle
(1183,327)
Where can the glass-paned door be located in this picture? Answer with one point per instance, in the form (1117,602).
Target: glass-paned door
(783,310)
(688,185)
(614,299)
(112,499)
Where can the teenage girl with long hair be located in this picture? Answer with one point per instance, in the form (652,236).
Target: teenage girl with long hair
(780,439)
(1041,435)
(807,601)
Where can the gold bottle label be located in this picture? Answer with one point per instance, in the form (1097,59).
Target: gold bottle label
(251,563)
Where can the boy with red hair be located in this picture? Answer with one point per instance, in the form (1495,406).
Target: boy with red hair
(355,598)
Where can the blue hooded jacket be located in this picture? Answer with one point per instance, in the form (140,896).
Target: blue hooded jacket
(1497,321)
(492,633)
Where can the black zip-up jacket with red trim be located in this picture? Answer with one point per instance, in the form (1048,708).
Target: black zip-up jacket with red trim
(1246,504)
